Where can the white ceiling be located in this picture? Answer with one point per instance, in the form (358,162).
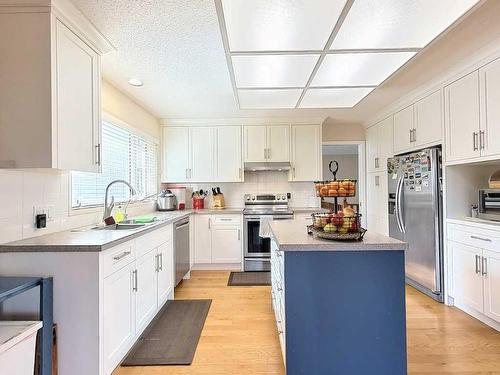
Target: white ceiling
(176,48)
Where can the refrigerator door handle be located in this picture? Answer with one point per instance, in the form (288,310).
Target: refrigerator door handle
(399,214)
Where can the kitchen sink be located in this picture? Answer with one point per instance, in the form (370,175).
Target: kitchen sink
(121,226)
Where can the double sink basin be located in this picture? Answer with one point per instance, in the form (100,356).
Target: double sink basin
(125,225)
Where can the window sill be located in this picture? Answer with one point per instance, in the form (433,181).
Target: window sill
(99,209)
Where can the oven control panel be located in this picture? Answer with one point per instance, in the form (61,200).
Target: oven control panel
(267,198)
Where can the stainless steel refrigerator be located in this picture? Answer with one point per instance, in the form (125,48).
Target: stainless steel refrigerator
(415,216)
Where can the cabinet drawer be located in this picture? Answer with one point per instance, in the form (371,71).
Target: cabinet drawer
(221,220)
(149,241)
(117,257)
(476,237)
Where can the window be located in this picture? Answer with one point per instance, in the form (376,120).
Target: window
(125,156)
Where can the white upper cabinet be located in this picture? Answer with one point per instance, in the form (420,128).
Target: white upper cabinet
(267,143)
(255,143)
(420,124)
(57,124)
(404,128)
(489,136)
(429,120)
(228,154)
(379,145)
(175,154)
(462,118)
(278,143)
(306,153)
(202,148)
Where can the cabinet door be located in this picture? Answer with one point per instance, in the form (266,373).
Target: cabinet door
(306,153)
(403,126)
(491,272)
(202,151)
(462,118)
(226,245)
(175,154)
(372,148)
(429,119)
(202,239)
(383,205)
(467,279)
(490,79)
(118,316)
(228,154)
(146,285)
(78,107)
(255,143)
(278,143)
(165,268)
(385,142)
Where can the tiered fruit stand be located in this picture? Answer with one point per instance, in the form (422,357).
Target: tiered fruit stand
(342,224)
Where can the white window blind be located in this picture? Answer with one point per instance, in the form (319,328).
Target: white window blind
(125,156)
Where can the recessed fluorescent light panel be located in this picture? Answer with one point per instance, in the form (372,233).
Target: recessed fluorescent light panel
(268,99)
(334,98)
(397,23)
(359,69)
(324,53)
(273,70)
(270,25)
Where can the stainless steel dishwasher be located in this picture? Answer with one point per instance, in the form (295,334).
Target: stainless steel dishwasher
(181,249)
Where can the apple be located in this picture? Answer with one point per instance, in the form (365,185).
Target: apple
(330,228)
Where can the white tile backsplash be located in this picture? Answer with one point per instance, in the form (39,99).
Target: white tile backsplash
(303,193)
(20,191)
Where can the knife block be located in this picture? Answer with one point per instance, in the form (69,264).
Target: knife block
(218,201)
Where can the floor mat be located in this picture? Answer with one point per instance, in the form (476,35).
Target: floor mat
(249,278)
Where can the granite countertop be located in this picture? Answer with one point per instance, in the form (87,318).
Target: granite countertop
(87,239)
(308,209)
(291,235)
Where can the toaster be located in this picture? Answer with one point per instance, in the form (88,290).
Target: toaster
(489,204)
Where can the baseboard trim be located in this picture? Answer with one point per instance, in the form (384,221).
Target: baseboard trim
(478,315)
(217,267)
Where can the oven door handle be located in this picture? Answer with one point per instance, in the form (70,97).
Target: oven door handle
(260,260)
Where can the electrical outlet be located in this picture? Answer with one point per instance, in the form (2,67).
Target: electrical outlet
(48,210)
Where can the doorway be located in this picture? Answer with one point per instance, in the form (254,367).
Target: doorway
(350,156)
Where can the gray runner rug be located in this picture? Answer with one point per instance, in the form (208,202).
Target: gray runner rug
(173,335)
(249,278)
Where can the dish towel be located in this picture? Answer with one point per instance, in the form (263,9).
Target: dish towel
(264,228)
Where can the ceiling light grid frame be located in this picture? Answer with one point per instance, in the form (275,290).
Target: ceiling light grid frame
(327,53)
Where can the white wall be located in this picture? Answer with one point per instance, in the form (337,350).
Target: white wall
(303,193)
(21,190)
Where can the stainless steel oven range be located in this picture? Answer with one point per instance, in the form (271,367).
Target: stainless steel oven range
(258,206)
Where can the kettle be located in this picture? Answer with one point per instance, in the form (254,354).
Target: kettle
(166,201)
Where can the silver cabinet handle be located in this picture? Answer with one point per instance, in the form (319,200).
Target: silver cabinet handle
(484,266)
(377,180)
(280,289)
(209,223)
(240,173)
(280,332)
(269,153)
(98,149)
(278,253)
(411,135)
(157,262)
(225,219)
(135,287)
(294,174)
(239,234)
(480,238)
(160,258)
(474,141)
(414,135)
(265,153)
(478,270)
(376,162)
(481,140)
(187,174)
(122,255)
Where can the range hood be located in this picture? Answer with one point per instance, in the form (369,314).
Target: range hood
(267,166)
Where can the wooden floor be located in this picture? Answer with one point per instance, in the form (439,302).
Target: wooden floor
(240,337)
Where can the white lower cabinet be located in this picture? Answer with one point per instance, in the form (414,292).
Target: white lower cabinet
(278,294)
(217,239)
(138,279)
(146,288)
(491,271)
(476,271)
(119,316)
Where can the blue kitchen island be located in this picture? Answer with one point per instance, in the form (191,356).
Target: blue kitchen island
(339,306)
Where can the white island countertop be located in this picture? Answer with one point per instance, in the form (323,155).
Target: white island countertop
(291,235)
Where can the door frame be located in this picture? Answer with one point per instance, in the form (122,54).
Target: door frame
(361,171)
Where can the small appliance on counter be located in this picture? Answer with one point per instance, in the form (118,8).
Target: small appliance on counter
(198,198)
(218,198)
(180,193)
(489,204)
(166,201)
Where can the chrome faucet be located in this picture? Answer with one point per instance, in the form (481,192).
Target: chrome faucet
(109,207)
